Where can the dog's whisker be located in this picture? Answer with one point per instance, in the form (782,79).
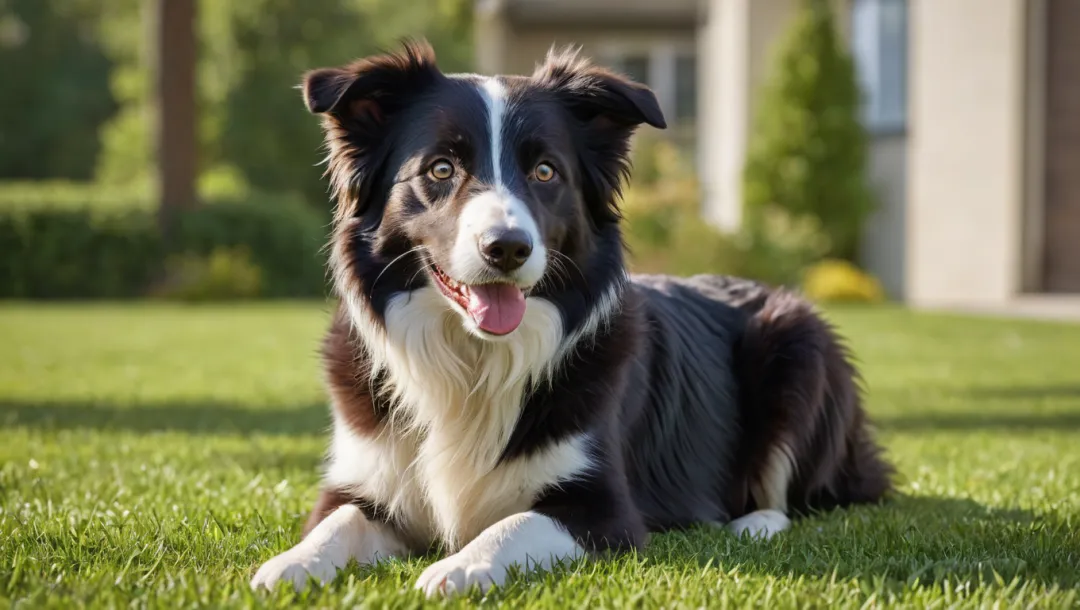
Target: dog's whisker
(391,263)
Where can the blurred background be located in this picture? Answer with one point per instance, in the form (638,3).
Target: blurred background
(864,150)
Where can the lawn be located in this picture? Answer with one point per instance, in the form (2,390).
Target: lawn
(154,455)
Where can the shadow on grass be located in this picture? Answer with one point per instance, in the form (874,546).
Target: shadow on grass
(1002,407)
(194,417)
(908,542)
(225,418)
(946,421)
(1025,392)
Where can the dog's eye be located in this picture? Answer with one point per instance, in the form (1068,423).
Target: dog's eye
(441,169)
(544,172)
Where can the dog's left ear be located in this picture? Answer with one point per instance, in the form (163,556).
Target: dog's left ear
(608,107)
(592,92)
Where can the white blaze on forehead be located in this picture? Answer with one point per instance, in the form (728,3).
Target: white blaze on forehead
(495,99)
(495,210)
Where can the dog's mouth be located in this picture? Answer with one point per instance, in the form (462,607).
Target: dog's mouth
(496,308)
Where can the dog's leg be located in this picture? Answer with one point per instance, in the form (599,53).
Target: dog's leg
(770,495)
(343,535)
(529,540)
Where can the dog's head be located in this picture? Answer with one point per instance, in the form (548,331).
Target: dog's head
(491,189)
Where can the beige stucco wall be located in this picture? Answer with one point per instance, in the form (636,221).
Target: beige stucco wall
(965,151)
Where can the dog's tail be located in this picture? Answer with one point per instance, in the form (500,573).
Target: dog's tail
(800,403)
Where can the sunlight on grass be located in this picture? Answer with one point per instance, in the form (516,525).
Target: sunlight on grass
(155,455)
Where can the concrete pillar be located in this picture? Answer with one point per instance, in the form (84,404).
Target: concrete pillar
(965,152)
(735,47)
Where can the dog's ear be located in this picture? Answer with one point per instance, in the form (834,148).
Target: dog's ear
(592,92)
(609,108)
(358,102)
(369,84)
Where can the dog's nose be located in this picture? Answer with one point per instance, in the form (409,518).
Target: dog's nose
(507,249)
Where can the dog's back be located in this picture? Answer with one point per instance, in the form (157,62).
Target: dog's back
(736,387)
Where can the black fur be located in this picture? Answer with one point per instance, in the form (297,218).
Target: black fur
(685,390)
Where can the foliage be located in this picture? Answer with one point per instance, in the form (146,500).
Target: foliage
(666,233)
(54,95)
(835,281)
(777,246)
(808,150)
(152,456)
(111,248)
(252,56)
(224,274)
(76,81)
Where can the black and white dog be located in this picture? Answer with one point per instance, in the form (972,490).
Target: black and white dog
(500,384)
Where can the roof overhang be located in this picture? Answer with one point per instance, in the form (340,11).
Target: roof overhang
(597,13)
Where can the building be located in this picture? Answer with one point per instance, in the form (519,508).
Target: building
(973,107)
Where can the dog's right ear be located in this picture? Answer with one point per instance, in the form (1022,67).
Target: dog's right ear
(358,101)
(370,84)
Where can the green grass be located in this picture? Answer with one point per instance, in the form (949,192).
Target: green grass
(155,455)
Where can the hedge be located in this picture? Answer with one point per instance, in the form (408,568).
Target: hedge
(62,250)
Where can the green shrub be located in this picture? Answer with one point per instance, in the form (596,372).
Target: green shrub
(110,247)
(777,246)
(224,274)
(71,252)
(808,150)
(284,238)
(666,233)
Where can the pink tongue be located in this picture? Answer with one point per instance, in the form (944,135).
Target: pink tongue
(496,308)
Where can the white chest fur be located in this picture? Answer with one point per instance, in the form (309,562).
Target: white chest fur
(435,463)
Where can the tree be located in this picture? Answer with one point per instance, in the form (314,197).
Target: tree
(174,87)
(251,56)
(808,150)
(54,91)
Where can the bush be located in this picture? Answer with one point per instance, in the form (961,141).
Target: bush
(110,247)
(227,273)
(839,281)
(666,233)
(808,150)
(777,246)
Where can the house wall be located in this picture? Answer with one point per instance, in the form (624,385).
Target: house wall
(966,185)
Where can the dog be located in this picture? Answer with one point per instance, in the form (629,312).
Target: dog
(501,386)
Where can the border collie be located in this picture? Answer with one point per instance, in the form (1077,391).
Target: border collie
(501,386)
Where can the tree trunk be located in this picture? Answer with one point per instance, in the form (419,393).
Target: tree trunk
(174,89)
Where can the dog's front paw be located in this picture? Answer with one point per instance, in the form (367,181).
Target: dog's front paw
(295,566)
(458,573)
(760,524)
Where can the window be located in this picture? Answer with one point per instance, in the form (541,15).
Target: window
(879,46)
(685,87)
